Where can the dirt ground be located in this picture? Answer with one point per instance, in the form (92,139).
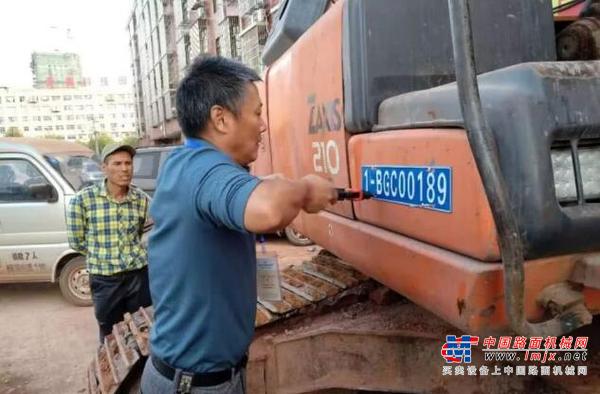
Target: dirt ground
(46,344)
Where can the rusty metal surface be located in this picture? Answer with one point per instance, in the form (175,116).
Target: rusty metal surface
(365,346)
(317,345)
(106,384)
(120,352)
(126,343)
(140,329)
(587,272)
(472,297)
(321,281)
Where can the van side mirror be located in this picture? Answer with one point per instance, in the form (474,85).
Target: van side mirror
(43,192)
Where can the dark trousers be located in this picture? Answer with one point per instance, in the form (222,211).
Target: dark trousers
(115,295)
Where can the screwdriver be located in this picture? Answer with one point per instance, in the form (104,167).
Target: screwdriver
(353,195)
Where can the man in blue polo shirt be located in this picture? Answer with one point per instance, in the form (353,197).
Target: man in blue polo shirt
(201,253)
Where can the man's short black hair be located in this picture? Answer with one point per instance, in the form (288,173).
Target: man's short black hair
(211,80)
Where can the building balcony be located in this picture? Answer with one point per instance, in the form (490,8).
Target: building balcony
(246,7)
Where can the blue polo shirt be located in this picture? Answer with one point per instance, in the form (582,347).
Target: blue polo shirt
(202,261)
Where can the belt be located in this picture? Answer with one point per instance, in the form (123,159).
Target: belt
(121,274)
(203,379)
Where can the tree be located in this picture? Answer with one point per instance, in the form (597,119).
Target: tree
(13,132)
(103,140)
(131,140)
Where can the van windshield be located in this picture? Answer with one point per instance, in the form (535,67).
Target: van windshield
(78,170)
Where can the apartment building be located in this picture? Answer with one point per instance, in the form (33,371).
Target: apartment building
(165,37)
(75,114)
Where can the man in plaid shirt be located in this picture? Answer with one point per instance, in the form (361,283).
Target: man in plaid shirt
(105,223)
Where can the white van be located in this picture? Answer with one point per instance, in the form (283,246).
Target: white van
(37,180)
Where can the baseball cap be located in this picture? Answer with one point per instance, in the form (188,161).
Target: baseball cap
(114,147)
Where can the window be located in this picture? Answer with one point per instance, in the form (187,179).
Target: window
(188,48)
(26,128)
(2,129)
(60,127)
(70,117)
(1,120)
(47,118)
(113,125)
(70,127)
(55,98)
(77,97)
(12,118)
(68,107)
(122,80)
(38,128)
(67,97)
(10,99)
(104,81)
(37,118)
(87,97)
(16,178)
(21,99)
(25,118)
(45,98)
(101,116)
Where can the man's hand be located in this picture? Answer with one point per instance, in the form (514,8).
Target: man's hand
(320,193)
(277,201)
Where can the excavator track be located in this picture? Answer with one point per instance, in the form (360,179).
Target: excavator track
(333,328)
(308,288)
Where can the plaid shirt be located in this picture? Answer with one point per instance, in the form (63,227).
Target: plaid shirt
(108,232)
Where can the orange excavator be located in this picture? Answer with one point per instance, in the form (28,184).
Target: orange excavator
(480,152)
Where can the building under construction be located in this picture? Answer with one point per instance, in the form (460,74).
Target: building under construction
(56,70)
(165,37)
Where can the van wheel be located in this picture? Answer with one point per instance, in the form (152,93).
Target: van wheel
(74,282)
(296,238)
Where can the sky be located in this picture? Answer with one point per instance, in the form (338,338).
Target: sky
(98,32)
